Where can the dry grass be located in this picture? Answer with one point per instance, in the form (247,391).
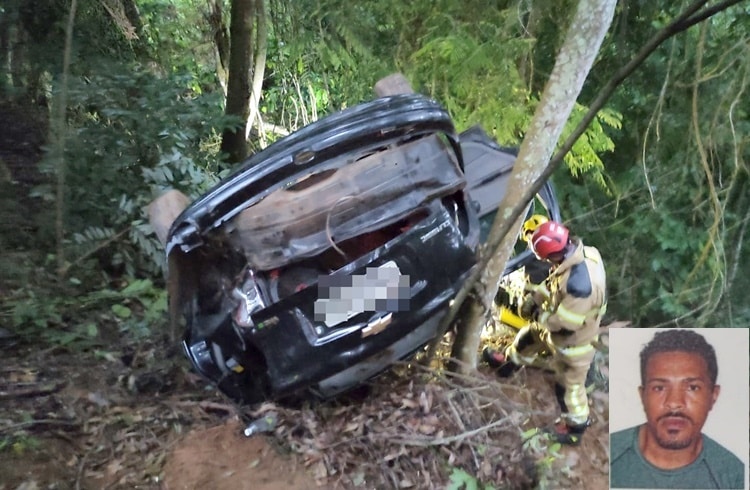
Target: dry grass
(414,428)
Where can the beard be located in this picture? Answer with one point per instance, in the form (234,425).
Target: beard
(676,442)
(674,439)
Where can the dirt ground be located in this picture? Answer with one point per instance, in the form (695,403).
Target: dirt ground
(70,420)
(74,421)
(222,457)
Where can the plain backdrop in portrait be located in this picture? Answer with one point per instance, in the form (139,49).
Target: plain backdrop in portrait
(727,423)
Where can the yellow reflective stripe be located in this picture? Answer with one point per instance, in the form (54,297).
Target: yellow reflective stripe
(521,360)
(574,398)
(540,289)
(577,350)
(517,358)
(544,317)
(569,316)
(578,418)
(577,318)
(591,258)
(576,403)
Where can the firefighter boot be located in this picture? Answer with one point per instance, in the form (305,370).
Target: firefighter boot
(564,433)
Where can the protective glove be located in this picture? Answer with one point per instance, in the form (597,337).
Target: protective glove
(529,309)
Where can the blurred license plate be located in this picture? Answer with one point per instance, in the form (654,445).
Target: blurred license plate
(379,289)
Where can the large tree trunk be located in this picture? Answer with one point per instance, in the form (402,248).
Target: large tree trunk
(215,18)
(5,28)
(233,142)
(585,35)
(18,50)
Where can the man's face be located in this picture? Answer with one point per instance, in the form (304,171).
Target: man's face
(677,397)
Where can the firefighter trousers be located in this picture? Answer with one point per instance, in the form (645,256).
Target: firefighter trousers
(533,346)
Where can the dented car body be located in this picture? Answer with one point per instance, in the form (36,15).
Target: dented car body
(335,252)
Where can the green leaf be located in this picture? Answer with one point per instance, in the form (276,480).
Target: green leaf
(121,311)
(461,480)
(91,330)
(66,338)
(656,264)
(529,433)
(137,287)
(358,479)
(108,356)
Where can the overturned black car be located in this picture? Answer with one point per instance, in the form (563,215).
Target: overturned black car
(334,252)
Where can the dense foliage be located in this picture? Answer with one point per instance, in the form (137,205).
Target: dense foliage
(659,182)
(673,223)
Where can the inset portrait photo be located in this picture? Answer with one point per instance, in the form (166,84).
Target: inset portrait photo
(679,407)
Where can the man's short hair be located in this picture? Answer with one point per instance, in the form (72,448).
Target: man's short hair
(680,341)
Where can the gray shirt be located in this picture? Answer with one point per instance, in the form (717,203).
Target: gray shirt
(715,467)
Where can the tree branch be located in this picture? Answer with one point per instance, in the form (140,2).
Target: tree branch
(261,50)
(59,126)
(441,441)
(88,254)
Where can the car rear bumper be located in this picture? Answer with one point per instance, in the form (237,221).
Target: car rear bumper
(373,365)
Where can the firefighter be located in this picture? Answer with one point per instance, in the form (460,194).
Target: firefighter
(564,313)
(536,271)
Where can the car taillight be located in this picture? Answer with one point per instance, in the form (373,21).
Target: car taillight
(249,300)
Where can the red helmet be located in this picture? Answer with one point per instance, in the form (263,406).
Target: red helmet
(549,238)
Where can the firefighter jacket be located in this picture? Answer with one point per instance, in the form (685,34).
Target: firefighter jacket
(572,300)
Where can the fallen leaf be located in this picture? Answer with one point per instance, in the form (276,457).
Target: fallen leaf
(571,459)
(113,467)
(28,485)
(425,401)
(98,399)
(320,471)
(408,403)
(358,479)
